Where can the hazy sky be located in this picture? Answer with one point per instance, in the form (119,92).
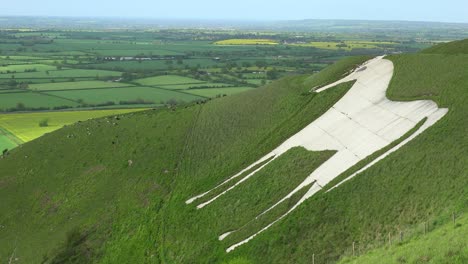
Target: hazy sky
(415,10)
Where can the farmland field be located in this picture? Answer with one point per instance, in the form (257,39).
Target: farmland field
(96,96)
(70,70)
(6,143)
(246,42)
(32,100)
(75,85)
(347,45)
(194,86)
(219,91)
(25,67)
(26,125)
(167,80)
(65,73)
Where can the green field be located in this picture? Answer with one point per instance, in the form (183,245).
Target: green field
(97,96)
(167,80)
(246,42)
(5,141)
(32,100)
(206,85)
(22,68)
(76,85)
(213,92)
(65,73)
(26,125)
(347,45)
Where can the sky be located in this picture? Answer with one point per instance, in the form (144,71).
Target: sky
(410,10)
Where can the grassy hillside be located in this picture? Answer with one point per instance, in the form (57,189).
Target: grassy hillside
(113,190)
(427,178)
(446,244)
(110,189)
(455,47)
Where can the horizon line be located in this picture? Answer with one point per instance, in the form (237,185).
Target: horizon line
(104,17)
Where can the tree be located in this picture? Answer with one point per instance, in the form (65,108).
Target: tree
(260,64)
(171,102)
(20,106)
(44,122)
(23,85)
(272,74)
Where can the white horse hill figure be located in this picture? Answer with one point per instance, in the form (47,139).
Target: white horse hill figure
(360,123)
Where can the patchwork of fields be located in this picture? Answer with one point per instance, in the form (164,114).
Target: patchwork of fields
(247,42)
(67,71)
(348,45)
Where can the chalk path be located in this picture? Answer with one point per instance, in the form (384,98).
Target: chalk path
(360,123)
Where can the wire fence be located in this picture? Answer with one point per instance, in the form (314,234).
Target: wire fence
(397,236)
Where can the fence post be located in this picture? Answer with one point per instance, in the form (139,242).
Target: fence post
(453,217)
(313,258)
(354,254)
(401,236)
(389,239)
(425,227)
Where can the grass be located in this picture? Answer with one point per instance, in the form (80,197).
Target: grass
(167,80)
(362,163)
(205,85)
(213,92)
(25,67)
(256,224)
(426,178)
(242,204)
(347,45)
(25,125)
(75,85)
(80,176)
(341,68)
(150,94)
(126,184)
(212,158)
(58,204)
(455,47)
(6,142)
(31,99)
(65,73)
(246,42)
(114,189)
(447,244)
(153,64)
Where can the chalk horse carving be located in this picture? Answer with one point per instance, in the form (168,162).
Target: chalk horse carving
(360,123)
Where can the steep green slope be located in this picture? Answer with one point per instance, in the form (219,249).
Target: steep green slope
(112,190)
(455,47)
(446,245)
(426,178)
(87,176)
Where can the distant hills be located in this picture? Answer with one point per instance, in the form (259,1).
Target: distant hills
(309,25)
